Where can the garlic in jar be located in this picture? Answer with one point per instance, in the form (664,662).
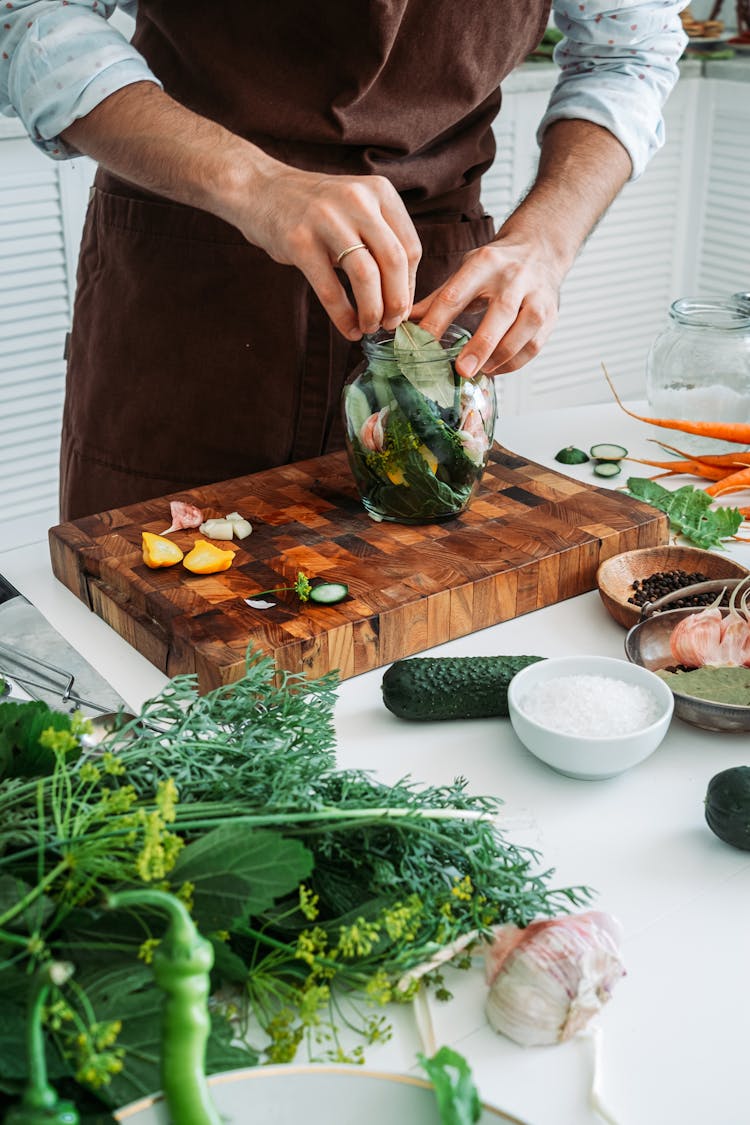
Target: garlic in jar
(548,980)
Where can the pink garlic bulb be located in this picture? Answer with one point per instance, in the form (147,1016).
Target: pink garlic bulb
(548,980)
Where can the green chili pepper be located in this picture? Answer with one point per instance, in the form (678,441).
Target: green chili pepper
(182,964)
(39,1103)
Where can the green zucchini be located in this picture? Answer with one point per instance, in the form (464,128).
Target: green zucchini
(571,456)
(727,806)
(451,687)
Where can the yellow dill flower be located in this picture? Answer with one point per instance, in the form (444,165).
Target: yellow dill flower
(112,765)
(308,902)
(463,889)
(147,950)
(379,988)
(311,944)
(166,799)
(185,894)
(90,773)
(358,939)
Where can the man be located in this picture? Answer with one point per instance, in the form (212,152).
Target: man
(278,178)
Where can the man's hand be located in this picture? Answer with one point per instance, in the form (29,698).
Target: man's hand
(518,282)
(309,219)
(517,277)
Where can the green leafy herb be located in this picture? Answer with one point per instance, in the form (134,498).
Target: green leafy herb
(720,685)
(422,360)
(312,883)
(29,734)
(457,1097)
(689,510)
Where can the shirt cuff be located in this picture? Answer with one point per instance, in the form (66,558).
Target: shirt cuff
(51,84)
(619,103)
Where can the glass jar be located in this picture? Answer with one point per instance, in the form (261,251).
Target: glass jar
(698,368)
(418,435)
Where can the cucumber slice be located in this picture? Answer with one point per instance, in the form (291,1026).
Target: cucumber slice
(328,593)
(607,468)
(608,452)
(571,456)
(357,407)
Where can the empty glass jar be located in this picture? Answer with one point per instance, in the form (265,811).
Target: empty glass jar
(418,435)
(699,367)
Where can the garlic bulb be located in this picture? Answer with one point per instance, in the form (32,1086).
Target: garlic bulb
(548,980)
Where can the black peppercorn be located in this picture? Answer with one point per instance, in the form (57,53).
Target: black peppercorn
(666,582)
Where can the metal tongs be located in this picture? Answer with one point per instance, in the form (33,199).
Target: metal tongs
(38,674)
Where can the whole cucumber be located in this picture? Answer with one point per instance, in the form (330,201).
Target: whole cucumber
(451,687)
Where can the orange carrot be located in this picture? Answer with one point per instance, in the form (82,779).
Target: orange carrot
(689,468)
(733,483)
(717,459)
(738,432)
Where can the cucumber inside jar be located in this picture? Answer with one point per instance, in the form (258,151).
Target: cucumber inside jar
(418,435)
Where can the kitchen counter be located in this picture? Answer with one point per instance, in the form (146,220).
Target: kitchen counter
(674,1037)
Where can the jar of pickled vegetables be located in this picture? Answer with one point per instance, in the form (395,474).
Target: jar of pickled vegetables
(698,368)
(418,435)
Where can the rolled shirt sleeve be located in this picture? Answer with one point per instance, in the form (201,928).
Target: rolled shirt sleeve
(618,65)
(58,60)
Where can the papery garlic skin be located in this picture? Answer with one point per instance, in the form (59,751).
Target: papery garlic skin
(548,980)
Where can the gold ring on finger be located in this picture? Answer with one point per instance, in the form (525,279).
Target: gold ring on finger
(350,250)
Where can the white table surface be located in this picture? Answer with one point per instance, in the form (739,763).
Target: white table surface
(675,1035)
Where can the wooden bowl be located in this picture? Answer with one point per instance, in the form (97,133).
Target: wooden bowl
(615,575)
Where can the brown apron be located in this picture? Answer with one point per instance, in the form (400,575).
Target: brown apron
(194,357)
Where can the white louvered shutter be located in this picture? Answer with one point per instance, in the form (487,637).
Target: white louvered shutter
(724,263)
(41,205)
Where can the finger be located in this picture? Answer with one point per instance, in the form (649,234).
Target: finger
(522,342)
(498,320)
(331,294)
(474,278)
(363,271)
(395,214)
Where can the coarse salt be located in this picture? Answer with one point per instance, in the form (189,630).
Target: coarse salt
(591,706)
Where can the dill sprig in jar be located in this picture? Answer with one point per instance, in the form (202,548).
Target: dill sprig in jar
(698,368)
(418,435)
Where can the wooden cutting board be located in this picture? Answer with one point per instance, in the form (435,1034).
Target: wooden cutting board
(532,537)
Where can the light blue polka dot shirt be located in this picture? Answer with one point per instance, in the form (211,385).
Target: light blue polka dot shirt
(618,64)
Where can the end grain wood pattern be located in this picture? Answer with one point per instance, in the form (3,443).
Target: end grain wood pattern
(531,537)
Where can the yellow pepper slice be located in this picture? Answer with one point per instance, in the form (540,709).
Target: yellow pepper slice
(205,558)
(429,457)
(158,551)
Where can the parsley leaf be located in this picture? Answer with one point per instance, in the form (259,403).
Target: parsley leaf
(689,511)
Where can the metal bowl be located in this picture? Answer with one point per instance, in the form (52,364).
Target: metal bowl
(647,644)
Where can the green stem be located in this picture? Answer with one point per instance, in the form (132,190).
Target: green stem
(350,818)
(40,1104)
(182,966)
(34,893)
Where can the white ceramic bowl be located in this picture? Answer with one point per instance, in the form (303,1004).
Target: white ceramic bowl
(581,756)
(316,1095)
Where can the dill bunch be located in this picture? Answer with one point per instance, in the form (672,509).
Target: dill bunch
(315,884)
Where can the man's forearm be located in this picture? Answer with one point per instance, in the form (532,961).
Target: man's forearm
(300,218)
(582,167)
(143,136)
